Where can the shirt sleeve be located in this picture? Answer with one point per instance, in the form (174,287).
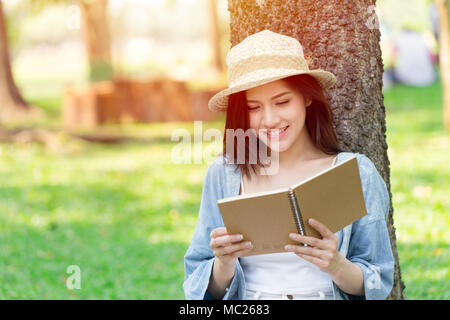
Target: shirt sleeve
(199,258)
(370,246)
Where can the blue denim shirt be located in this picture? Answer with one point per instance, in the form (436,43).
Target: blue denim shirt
(365,242)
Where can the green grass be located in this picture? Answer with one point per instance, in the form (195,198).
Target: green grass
(419,152)
(125,213)
(107,210)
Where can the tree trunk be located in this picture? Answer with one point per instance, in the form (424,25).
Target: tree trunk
(444,56)
(97,39)
(214,34)
(343,38)
(12,104)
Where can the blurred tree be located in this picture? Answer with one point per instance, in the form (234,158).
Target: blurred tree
(95,32)
(12,104)
(343,37)
(97,38)
(444,55)
(214,34)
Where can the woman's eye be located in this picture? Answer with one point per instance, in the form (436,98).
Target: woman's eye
(279,103)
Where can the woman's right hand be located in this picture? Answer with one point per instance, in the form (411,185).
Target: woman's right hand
(227,248)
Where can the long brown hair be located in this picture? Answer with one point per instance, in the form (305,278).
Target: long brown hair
(318,121)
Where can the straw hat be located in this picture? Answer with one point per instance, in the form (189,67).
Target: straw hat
(261,58)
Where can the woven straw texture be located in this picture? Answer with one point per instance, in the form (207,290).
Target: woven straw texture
(261,58)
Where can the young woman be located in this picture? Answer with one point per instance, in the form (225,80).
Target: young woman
(273,92)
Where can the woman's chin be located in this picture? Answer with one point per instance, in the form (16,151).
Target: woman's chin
(275,146)
(278,147)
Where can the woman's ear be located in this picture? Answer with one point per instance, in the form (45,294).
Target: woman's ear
(308,101)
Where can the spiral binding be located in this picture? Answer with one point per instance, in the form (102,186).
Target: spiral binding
(296,213)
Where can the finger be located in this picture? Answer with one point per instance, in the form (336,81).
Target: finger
(311,241)
(321,228)
(218,232)
(225,240)
(310,251)
(318,262)
(228,250)
(242,252)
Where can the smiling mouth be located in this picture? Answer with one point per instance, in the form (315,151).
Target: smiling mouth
(277,132)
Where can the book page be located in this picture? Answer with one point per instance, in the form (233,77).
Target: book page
(333,197)
(322,172)
(253,195)
(266,221)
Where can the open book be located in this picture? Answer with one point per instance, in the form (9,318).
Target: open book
(333,197)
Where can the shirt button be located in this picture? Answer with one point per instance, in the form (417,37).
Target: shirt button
(289,296)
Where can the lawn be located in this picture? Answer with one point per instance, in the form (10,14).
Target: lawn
(125,213)
(419,152)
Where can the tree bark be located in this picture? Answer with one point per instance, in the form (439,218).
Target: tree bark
(214,34)
(341,37)
(444,56)
(12,104)
(97,38)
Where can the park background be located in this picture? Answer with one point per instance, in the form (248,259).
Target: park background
(107,196)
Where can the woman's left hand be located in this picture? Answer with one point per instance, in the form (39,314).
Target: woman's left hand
(321,252)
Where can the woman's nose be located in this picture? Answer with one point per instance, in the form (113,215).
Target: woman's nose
(270,118)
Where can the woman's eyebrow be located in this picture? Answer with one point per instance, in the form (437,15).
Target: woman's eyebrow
(276,96)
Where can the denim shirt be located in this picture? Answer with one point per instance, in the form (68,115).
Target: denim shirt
(365,242)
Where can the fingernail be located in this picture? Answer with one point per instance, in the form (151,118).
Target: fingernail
(288,247)
(248,245)
(240,237)
(292,235)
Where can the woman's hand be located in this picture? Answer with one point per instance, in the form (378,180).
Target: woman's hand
(227,248)
(321,252)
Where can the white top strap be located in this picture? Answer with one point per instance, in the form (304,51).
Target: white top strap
(334,161)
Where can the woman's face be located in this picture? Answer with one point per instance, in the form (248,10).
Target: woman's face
(277,111)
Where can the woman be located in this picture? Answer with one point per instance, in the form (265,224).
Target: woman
(273,92)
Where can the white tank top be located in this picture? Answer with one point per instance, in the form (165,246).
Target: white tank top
(284,275)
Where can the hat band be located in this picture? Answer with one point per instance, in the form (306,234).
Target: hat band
(265,61)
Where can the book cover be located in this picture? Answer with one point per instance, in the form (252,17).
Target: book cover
(333,196)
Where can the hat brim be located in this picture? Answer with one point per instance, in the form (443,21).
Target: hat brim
(219,102)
